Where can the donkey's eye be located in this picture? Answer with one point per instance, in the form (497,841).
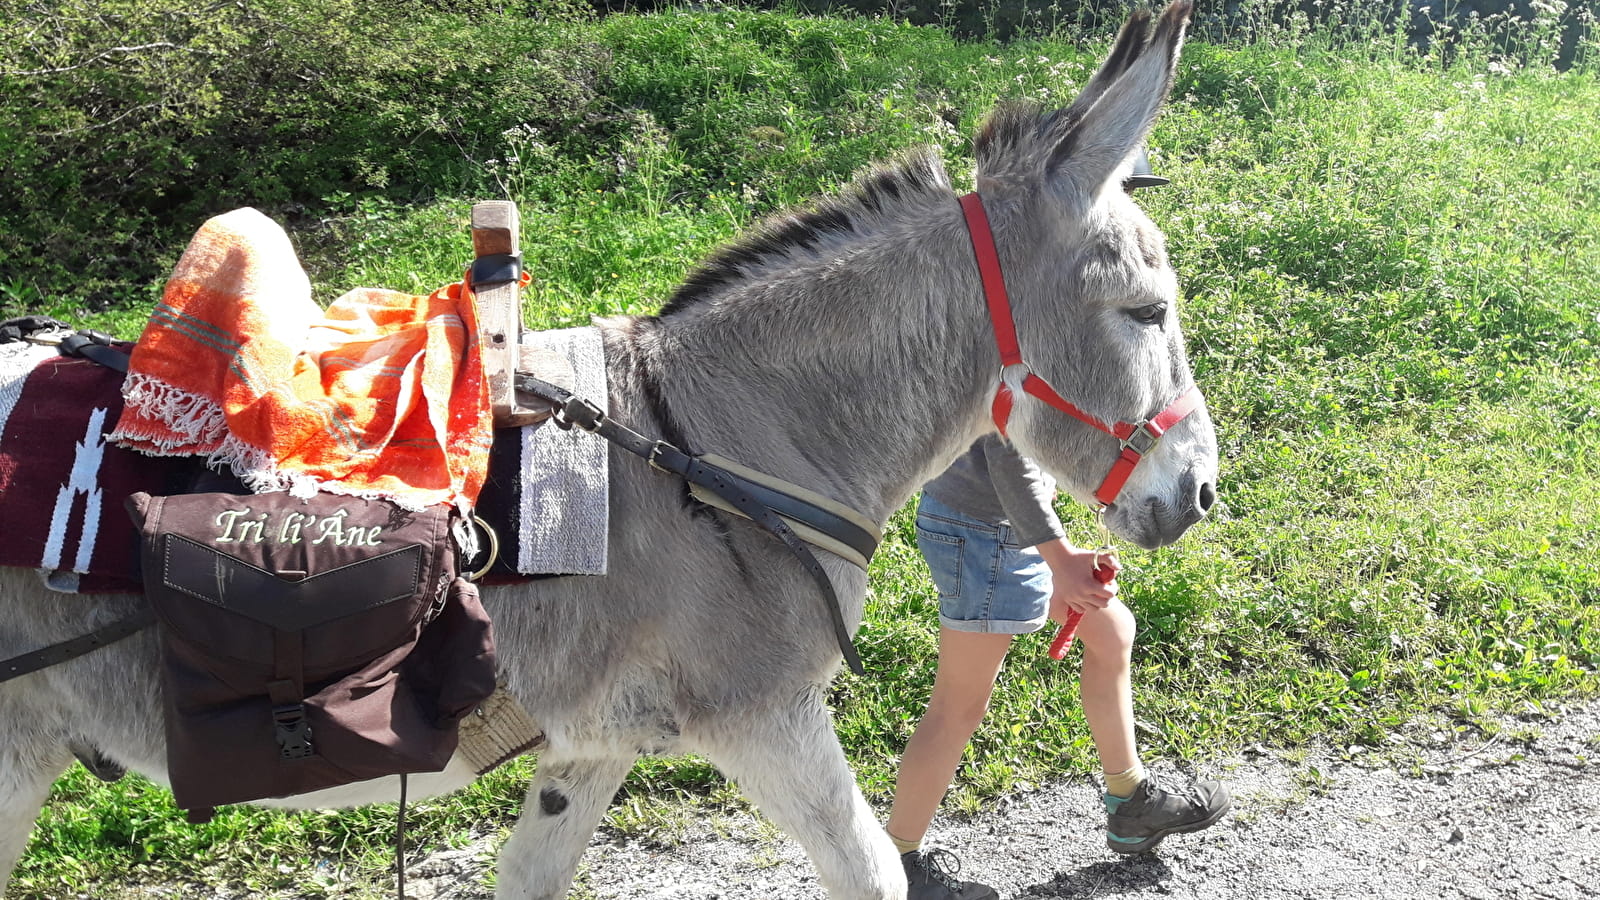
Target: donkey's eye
(1154,314)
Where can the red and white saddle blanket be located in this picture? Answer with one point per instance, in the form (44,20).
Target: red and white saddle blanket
(61,484)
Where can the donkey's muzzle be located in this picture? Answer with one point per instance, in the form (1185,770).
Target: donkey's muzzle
(1170,519)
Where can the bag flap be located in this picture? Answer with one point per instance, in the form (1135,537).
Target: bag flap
(289,601)
(222,570)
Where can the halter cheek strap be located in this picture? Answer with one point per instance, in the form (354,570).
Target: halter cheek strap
(1138,438)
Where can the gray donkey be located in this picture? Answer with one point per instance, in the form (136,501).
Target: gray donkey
(846,348)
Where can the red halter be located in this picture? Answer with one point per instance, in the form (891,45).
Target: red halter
(1138,438)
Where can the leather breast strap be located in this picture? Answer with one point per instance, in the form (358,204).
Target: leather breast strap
(18,666)
(740,492)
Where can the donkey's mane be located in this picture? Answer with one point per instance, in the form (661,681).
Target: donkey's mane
(918,175)
(1014,134)
(1017,132)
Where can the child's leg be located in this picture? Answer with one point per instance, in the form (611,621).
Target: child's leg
(968,665)
(1139,812)
(1107,638)
(989,589)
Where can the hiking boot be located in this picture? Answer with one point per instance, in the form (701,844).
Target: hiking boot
(1137,824)
(931,875)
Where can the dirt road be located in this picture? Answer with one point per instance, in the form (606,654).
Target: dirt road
(1512,816)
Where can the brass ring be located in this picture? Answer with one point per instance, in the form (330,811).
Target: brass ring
(494,549)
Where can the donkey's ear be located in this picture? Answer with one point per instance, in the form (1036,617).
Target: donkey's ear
(1110,119)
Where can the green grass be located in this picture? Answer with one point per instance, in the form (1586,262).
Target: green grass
(1391,269)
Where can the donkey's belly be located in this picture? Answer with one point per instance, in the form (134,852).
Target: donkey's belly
(457,775)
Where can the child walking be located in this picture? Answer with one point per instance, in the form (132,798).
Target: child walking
(1003,567)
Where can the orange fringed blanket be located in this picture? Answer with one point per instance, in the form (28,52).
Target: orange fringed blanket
(382,395)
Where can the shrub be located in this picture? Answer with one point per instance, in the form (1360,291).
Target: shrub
(124,123)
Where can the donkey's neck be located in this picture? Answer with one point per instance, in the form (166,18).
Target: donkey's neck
(859,369)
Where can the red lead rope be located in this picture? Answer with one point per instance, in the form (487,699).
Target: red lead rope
(1138,439)
(1104,573)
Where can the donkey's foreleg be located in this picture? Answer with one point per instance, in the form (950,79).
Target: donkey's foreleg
(562,810)
(790,764)
(26,773)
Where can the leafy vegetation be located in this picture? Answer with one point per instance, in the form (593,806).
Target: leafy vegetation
(123,122)
(1391,269)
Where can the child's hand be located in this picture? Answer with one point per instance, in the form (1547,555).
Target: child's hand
(1076,588)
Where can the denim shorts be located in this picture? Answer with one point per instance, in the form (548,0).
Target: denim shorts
(986,583)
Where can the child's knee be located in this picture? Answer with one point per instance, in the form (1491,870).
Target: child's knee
(1110,632)
(964,710)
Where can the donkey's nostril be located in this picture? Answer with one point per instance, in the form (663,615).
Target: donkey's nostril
(1208,496)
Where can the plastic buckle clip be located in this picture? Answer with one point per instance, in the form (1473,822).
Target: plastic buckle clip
(292,731)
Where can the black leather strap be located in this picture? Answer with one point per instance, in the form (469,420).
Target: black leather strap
(578,412)
(730,487)
(574,410)
(23,328)
(95,347)
(496,268)
(835,526)
(18,666)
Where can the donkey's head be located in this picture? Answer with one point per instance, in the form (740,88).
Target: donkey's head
(1094,298)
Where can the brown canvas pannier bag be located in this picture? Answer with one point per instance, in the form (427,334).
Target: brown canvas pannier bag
(307,643)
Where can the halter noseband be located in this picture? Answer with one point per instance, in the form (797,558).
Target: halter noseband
(1138,438)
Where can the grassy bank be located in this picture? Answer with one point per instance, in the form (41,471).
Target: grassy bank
(1391,276)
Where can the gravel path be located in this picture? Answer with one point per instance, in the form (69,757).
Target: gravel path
(1513,816)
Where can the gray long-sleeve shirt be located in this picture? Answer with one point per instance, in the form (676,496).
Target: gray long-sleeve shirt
(994,483)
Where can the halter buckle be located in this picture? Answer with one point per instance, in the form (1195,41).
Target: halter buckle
(1142,440)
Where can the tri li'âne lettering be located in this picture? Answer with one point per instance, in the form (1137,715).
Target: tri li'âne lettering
(240,526)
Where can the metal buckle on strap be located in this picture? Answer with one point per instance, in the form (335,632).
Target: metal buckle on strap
(1142,440)
(579,412)
(656,449)
(50,338)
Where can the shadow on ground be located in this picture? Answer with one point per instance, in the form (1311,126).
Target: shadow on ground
(1131,873)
